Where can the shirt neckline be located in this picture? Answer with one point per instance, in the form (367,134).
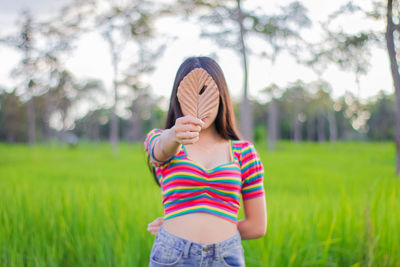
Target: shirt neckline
(216,167)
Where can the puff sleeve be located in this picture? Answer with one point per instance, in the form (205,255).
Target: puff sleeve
(151,139)
(252,172)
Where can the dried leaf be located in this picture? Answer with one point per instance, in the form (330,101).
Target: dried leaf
(198,93)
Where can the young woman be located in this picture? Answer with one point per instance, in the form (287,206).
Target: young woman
(203,167)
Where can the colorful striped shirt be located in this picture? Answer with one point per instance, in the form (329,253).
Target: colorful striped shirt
(188,187)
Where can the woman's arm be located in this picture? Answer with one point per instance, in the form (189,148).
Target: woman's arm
(166,146)
(185,131)
(255,223)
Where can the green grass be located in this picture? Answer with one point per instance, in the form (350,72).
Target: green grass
(328,205)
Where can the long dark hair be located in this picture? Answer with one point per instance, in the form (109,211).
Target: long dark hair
(225,122)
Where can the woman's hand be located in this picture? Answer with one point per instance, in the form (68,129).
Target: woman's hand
(186,129)
(155,225)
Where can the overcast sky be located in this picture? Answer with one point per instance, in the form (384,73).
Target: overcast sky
(91,57)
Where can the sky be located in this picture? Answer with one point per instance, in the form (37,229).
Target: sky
(91,58)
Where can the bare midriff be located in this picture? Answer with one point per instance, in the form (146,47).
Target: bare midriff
(200,227)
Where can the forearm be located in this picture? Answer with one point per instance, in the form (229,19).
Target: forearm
(166,146)
(249,230)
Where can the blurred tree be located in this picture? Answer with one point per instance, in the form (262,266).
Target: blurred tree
(281,31)
(42,43)
(323,105)
(393,47)
(12,118)
(311,113)
(90,125)
(228,23)
(345,113)
(309,103)
(381,122)
(357,113)
(144,110)
(120,23)
(57,35)
(273,92)
(260,118)
(229,17)
(141,109)
(133,77)
(24,42)
(77,92)
(295,98)
(348,51)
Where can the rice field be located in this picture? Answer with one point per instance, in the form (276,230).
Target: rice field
(328,205)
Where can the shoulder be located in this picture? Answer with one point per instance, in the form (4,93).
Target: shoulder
(249,159)
(242,145)
(151,136)
(242,148)
(155,131)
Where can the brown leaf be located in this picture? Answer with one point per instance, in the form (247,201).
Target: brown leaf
(198,93)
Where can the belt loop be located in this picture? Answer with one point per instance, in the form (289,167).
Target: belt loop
(216,251)
(186,249)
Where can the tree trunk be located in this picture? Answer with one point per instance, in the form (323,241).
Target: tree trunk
(10,136)
(153,119)
(114,121)
(31,121)
(296,128)
(46,118)
(246,122)
(114,130)
(320,127)
(391,27)
(95,131)
(135,125)
(246,114)
(332,126)
(310,128)
(272,124)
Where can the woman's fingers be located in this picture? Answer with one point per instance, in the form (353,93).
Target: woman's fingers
(187,135)
(189,119)
(153,229)
(155,225)
(188,127)
(190,141)
(159,220)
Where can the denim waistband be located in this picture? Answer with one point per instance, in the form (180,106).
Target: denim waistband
(196,248)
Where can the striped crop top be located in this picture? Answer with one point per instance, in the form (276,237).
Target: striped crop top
(187,187)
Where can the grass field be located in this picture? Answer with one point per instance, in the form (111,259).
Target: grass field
(328,205)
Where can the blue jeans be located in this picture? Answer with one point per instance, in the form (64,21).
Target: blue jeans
(171,250)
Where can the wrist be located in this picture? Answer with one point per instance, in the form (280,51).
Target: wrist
(172,136)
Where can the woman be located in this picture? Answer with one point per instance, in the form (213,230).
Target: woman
(203,167)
